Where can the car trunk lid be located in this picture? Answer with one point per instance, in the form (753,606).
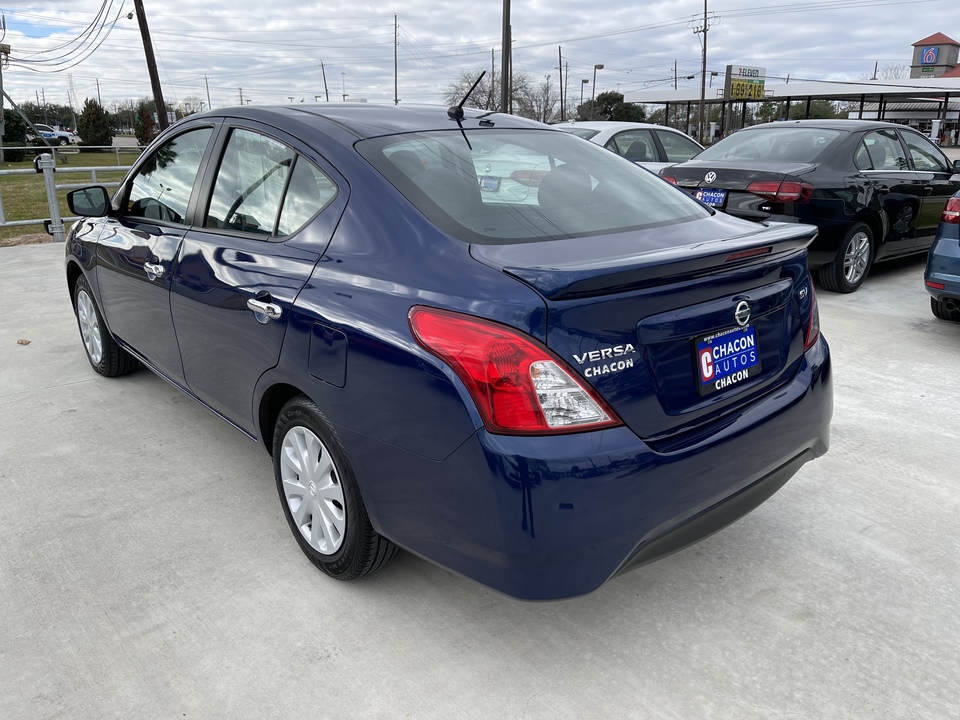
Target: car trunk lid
(628,312)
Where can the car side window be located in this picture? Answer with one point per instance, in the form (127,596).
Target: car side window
(162,186)
(925,155)
(309,192)
(249,185)
(881,150)
(678,148)
(635,145)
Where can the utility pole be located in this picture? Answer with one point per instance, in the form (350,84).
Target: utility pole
(241,94)
(325,88)
(674,74)
(207,84)
(703,28)
(4,53)
(99,101)
(505,52)
(43,95)
(560,54)
(151,65)
(395,41)
(343,84)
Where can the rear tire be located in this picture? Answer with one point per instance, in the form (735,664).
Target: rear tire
(320,497)
(106,357)
(939,308)
(854,257)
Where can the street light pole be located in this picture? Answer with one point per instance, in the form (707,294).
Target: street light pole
(343,83)
(593,93)
(582,83)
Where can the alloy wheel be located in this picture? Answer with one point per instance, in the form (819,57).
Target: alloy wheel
(856,258)
(312,490)
(89,327)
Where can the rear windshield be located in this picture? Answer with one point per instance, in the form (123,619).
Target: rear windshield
(585,133)
(495,186)
(773,145)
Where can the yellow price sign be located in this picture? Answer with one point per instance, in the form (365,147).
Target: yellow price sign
(746,90)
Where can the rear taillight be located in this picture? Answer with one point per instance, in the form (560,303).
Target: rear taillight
(813,322)
(671,180)
(951,211)
(518,385)
(786,191)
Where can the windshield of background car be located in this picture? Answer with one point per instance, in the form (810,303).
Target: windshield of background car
(512,186)
(773,145)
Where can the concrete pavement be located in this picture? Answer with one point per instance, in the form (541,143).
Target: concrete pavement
(146,570)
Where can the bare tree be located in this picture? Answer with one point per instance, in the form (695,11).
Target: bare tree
(487,94)
(890,71)
(539,103)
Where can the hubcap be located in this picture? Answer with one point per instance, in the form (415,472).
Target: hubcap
(89,327)
(856,258)
(312,490)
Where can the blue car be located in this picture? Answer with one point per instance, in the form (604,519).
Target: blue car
(460,333)
(942,276)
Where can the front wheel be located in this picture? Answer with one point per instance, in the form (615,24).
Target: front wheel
(850,267)
(63,141)
(106,357)
(320,497)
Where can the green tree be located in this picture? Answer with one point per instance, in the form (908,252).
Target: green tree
(94,125)
(144,128)
(15,135)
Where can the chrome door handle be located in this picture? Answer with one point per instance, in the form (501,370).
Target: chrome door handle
(264,308)
(153,270)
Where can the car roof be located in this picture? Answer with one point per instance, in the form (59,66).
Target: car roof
(826,124)
(365,120)
(611,125)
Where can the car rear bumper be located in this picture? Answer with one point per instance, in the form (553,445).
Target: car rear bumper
(943,264)
(543,518)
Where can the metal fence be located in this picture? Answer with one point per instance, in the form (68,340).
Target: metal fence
(46,164)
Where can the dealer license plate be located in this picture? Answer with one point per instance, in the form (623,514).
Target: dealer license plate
(726,358)
(490,184)
(711,196)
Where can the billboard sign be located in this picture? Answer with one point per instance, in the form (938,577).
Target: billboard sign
(744,82)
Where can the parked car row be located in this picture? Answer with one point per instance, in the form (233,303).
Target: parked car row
(874,190)
(461,333)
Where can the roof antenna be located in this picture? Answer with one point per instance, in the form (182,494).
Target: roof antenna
(456,111)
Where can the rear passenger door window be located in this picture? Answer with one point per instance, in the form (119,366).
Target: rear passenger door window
(250,183)
(635,145)
(678,149)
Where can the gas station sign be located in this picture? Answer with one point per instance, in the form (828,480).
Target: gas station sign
(744,83)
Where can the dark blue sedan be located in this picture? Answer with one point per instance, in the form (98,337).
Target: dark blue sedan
(464,334)
(942,277)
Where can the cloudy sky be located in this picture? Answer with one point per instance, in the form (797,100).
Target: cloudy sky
(273,51)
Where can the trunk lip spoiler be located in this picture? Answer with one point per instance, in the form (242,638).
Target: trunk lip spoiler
(614,274)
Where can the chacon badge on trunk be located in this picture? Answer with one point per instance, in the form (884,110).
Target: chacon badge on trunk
(742,313)
(710,177)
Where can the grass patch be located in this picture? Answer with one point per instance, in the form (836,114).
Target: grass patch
(24,196)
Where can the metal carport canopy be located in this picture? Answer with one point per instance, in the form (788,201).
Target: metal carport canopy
(869,90)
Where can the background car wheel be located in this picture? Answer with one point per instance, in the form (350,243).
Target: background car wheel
(940,309)
(105,355)
(850,267)
(320,497)
(63,141)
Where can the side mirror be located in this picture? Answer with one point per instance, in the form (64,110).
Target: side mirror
(956,167)
(89,202)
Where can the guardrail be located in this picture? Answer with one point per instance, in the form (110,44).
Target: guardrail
(46,164)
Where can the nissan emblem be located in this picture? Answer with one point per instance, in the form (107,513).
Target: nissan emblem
(742,313)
